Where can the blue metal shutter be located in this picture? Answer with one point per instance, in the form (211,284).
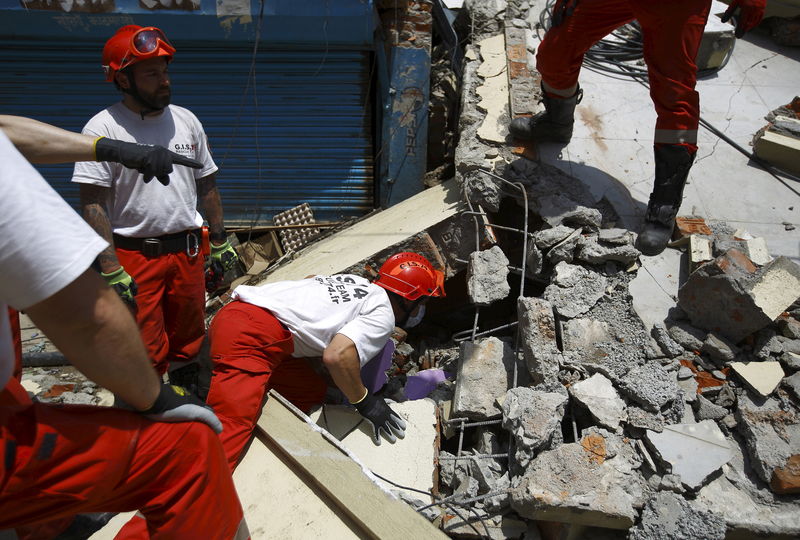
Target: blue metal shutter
(299,130)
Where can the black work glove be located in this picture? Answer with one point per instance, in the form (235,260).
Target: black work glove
(148,159)
(176,404)
(383,419)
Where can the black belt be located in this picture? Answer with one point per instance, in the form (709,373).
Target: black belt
(188,241)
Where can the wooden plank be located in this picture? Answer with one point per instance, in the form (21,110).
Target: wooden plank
(320,456)
(364,238)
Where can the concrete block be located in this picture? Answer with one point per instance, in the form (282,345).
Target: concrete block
(578,483)
(708,410)
(793,384)
(650,385)
(772,434)
(761,377)
(533,418)
(484,372)
(564,250)
(719,348)
(537,327)
(615,236)
(487,276)
(789,326)
(591,251)
(780,150)
(668,516)
(547,238)
(574,290)
(693,451)
(558,209)
(599,396)
(689,337)
(747,517)
(730,297)
(668,346)
(583,334)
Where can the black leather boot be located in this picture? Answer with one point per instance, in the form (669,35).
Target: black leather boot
(673,162)
(554,124)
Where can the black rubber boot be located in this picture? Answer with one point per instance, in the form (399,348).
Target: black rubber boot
(672,168)
(554,124)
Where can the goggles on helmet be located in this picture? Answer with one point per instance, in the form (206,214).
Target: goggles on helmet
(145,43)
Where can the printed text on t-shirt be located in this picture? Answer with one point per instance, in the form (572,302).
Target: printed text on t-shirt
(341,289)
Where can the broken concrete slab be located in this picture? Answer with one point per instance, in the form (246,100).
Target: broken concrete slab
(575,483)
(547,238)
(732,297)
(719,348)
(707,410)
(409,461)
(589,250)
(792,383)
(761,377)
(615,236)
(650,385)
(533,418)
(574,289)
(487,275)
(668,346)
(689,337)
(598,394)
(745,516)
(582,334)
(668,516)
(771,433)
(564,251)
(537,328)
(558,209)
(484,372)
(693,451)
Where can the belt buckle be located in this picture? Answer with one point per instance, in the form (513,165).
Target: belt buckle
(151,247)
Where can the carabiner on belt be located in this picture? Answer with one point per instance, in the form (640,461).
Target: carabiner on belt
(192,244)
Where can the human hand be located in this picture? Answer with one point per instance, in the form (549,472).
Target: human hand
(124,285)
(176,404)
(384,420)
(750,14)
(150,160)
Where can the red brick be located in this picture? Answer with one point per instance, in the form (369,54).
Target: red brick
(786,480)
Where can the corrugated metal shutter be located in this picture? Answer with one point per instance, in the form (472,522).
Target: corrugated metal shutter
(299,130)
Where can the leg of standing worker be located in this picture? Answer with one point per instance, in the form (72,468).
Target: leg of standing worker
(672,35)
(61,460)
(246,344)
(558,60)
(184,307)
(150,274)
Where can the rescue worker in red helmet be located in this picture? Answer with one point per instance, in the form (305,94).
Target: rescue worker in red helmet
(262,340)
(154,259)
(672,33)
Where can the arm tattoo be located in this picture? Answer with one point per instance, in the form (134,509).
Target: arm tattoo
(209,199)
(93,206)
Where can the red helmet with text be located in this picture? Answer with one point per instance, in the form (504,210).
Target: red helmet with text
(410,275)
(132,44)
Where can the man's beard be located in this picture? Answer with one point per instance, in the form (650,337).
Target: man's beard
(155,100)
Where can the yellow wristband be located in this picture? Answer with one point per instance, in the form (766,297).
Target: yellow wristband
(94,146)
(366,393)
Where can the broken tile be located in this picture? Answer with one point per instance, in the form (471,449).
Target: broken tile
(699,251)
(693,451)
(761,377)
(685,226)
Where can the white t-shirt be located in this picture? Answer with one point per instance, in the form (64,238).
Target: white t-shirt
(44,244)
(318,308)
(134,208)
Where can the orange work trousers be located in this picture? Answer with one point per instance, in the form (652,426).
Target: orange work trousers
(251,353)
(57,461)
(672,32)
(170,304)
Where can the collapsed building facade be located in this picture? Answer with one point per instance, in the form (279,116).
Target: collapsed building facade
(561,413)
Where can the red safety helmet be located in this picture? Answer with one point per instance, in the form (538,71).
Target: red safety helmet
(410,275)
(132,44)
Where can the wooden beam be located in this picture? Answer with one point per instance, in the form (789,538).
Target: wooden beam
(318,454)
